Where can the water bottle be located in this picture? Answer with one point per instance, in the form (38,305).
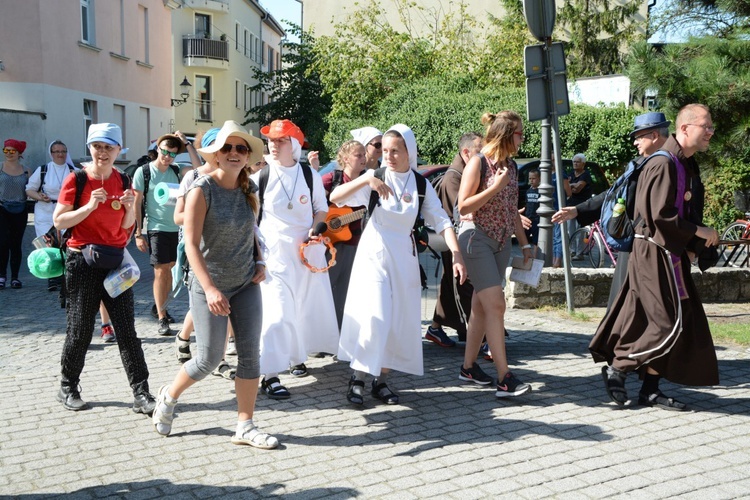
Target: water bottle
(619,208)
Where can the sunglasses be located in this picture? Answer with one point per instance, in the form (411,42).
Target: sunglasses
(99,146)
(9,151)
(167,153)
(376,145)
(240,148)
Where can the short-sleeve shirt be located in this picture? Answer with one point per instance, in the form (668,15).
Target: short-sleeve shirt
(586,192)
(160,217)
(532,204)
(102,226)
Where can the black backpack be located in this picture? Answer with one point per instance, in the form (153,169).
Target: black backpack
(43,174)
(263,182)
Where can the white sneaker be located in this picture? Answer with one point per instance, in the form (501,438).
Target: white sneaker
(231,348)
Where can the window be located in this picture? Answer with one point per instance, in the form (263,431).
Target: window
(237,37)
(203,98)
(237,94)
(89,117)
(248,98)
(202,26)
(257,49)
(122,27)
(143,34)
(248,46)
(87,22)
(271,60)
(119,112)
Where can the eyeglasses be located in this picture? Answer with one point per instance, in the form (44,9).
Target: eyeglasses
(99,146)
(63,152)
(376,145)
(240,148)
(167,153)
(708,128)
(261,163)
(9,151)
(644,136)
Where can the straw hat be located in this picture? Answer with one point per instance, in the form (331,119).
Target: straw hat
(233,129)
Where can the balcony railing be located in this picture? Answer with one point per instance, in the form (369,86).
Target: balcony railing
(204,110)
(204,48)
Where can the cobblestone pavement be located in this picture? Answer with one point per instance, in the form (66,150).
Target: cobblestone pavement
(446,438)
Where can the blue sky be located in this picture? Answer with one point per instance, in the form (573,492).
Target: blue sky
(283,9)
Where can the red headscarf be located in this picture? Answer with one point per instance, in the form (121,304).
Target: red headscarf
(19,146)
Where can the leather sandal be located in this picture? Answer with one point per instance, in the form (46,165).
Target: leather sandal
(224,370)
(273,389)
(614,384)
(356,389)
(383,393)
(659,400)
(257,439)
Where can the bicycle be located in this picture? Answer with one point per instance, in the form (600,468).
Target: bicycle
(594,245)
(735,255)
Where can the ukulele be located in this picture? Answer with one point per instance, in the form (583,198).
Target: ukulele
(338,220)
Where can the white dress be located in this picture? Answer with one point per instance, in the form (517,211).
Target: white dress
(382,316)
(298,312)
(53,180)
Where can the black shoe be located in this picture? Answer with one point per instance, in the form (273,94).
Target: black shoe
(474,374)
(144,403)
(164,329)
(70,397)
(614,384)
(383,393)
(155,314)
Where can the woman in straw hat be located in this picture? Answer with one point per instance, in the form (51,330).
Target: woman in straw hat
(224,275)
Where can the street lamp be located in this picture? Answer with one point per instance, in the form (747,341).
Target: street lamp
(185,93)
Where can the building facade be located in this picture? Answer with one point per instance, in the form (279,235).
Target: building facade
(69,63)
(217,46)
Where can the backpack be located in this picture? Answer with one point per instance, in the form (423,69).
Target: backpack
(146,180)
(619,231)
(419,231)
(263,182)
(43,174)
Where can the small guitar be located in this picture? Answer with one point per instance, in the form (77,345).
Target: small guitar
(338,220)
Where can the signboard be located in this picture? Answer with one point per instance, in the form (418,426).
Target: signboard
(537,99)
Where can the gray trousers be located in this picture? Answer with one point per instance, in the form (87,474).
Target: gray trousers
(210,333)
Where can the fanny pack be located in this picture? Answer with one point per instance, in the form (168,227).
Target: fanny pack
(14,207)
(102,256)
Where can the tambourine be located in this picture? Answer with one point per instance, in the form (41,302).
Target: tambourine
(318,241)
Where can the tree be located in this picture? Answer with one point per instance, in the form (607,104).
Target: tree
(295,91)
(597,31)
(719,18)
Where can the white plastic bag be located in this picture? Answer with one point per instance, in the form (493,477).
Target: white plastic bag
(120,279)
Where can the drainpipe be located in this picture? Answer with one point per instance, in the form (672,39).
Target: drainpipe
(650,6)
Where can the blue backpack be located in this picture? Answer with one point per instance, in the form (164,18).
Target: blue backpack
(619,231)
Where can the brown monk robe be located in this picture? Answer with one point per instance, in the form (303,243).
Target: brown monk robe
(657,320)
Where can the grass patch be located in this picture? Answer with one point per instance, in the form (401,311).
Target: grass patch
(562,310)
(739,333)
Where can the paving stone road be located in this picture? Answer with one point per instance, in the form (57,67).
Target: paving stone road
(445,439)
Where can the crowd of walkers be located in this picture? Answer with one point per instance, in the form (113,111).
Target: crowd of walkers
(259,271)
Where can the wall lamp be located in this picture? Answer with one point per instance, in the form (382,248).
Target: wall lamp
(185,88)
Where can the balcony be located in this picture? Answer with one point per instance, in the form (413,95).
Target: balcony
(205,52)
(221,6)
(204,110)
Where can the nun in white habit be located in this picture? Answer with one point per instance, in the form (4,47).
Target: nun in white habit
(298,312)
(381,328)
(47,190)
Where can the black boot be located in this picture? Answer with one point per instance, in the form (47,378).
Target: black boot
(70,396)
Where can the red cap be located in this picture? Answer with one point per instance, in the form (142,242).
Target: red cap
(283,128)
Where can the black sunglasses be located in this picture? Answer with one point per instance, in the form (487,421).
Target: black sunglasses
(376,145)
(241,149)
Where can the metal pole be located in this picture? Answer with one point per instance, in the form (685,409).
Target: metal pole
(552,102)
(546,206)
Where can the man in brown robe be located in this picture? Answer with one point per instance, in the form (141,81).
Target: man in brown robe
(656,325)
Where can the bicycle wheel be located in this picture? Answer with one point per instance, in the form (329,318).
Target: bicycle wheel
(734,231)
(596,250)
(582,235)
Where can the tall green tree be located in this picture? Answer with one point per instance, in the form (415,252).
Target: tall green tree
(597,33)
(295,90)
(683,18)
